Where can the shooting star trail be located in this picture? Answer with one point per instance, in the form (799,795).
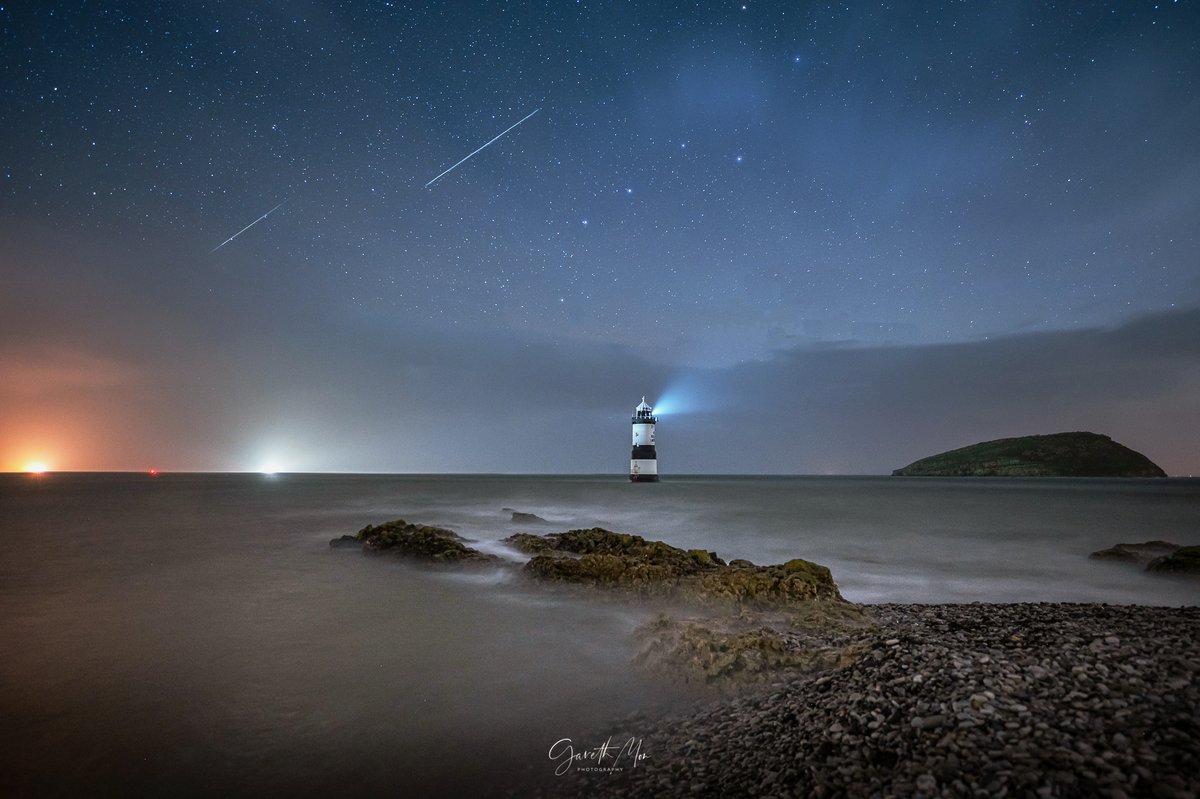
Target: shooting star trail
(243,230)
(506,130)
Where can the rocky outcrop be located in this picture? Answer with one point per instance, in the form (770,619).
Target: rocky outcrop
(524,517)
(418,542)
(738,622)
(1056,455)
(1158,557)
(629,563)
(1185,560)
(1136,553)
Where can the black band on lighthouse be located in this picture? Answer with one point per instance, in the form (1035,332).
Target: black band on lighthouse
(644,453)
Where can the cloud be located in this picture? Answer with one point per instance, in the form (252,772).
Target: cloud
(873,409)
(469,403)
(243,377)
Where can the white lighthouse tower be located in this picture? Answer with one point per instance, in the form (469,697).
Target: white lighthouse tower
(643,464)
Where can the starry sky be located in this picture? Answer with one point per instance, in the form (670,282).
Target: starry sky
(823,237)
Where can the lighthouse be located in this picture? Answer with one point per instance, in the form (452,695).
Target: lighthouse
(643,464)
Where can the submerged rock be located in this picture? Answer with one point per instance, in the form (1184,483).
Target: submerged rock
(1184,560)
(1056,455)
(418,541)
(751,647)
(1136,553)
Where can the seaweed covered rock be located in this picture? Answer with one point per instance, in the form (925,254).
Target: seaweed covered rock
(1185,560)
(601,558)
(420,542)
(530,544)
(795,580)
(598,541)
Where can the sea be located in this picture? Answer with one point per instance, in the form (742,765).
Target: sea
(195,635)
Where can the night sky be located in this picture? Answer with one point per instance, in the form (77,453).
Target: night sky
(823,237)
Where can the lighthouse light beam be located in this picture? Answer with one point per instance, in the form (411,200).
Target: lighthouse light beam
(671,404)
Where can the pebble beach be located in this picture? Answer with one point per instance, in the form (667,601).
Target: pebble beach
(1028,700)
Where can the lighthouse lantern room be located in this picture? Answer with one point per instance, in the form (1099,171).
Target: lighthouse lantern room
(643,464)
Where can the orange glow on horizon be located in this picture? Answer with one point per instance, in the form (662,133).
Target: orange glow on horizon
(36,467)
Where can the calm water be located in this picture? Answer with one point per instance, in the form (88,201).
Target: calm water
(195,634)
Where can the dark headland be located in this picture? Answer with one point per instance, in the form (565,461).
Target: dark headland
(1055,455)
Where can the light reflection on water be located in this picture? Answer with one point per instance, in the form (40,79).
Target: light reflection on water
(195,633)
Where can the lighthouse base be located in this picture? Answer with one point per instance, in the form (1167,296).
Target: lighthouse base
(643,469)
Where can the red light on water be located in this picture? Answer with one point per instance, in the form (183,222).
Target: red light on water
(152,472)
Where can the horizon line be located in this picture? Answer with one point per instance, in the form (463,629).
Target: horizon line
(165,472)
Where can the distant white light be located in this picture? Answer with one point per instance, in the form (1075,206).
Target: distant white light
(269,470)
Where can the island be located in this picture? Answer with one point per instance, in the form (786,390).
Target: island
(1079,454)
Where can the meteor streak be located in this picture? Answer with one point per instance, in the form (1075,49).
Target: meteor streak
(243,230)
(506,130)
